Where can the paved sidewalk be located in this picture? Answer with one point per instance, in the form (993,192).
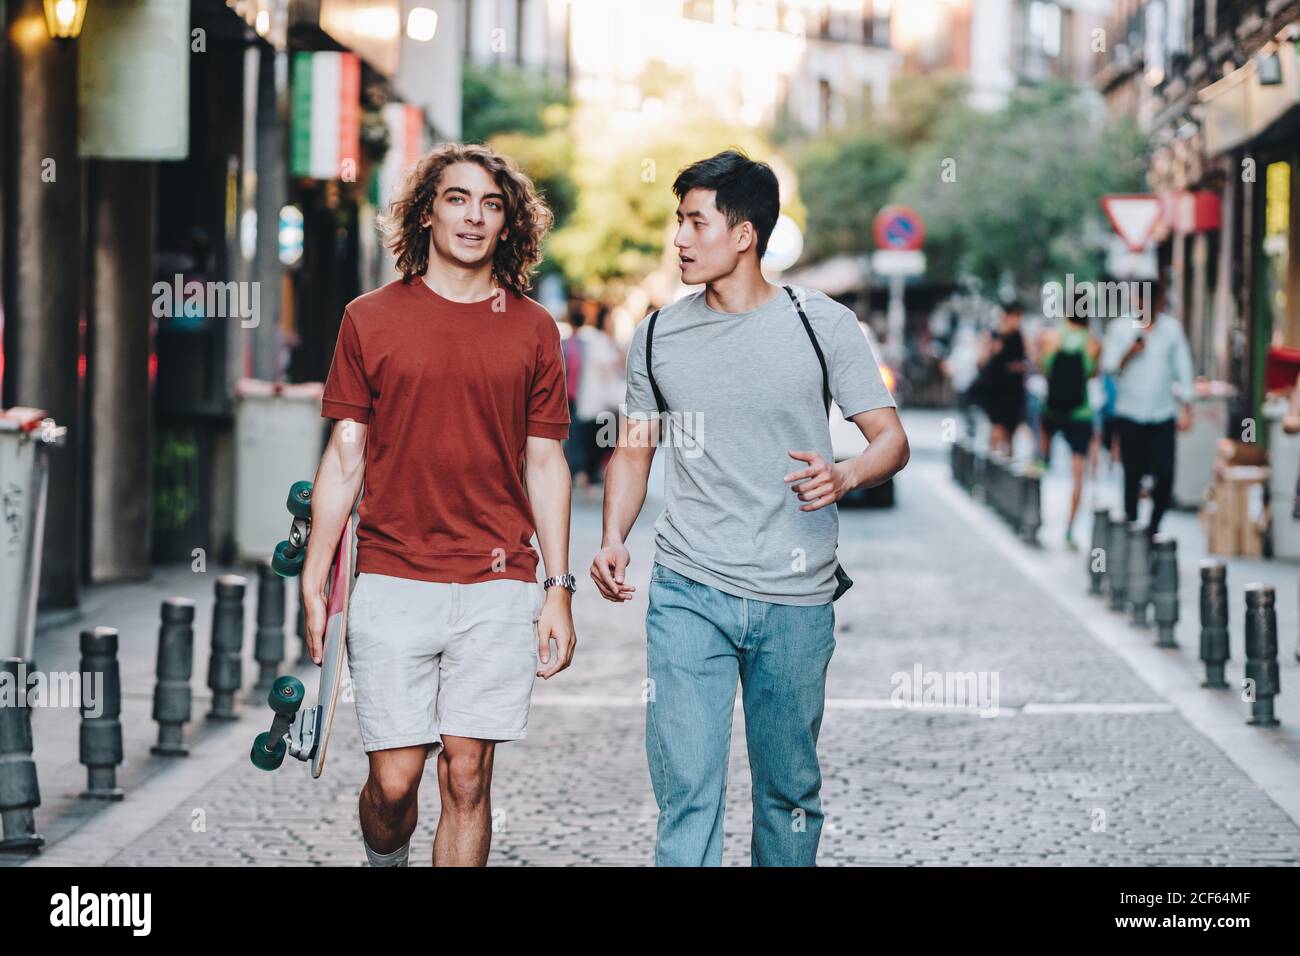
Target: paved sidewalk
(1185,526)
(1085,763)
(133,608)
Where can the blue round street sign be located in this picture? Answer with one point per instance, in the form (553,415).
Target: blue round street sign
(898,227)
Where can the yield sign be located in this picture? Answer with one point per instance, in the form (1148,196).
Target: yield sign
(1133,216)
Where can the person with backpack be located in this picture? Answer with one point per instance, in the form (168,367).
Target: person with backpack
(1070,357)
(735,381)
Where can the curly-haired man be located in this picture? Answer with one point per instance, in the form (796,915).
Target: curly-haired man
(447,391)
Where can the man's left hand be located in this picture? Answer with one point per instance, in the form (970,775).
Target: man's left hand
(821,483)
(1185,418)
(555,624)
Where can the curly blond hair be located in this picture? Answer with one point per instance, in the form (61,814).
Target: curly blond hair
(527,216)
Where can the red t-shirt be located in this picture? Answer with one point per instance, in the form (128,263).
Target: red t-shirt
(449,391)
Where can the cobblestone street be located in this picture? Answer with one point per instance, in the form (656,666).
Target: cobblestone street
(1083,763)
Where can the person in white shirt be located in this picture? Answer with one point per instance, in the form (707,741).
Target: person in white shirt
(600,389)
(1152,367)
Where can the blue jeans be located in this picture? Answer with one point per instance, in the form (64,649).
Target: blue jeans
(700,640)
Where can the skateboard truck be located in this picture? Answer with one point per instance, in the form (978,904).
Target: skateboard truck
(287,693)
(304,734)
(289,555)
(287,733)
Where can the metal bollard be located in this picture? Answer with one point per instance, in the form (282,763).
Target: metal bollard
(101,726)
(1261,653)
(993,482)
(1138,593)
(172,697)
(1117,563)
(1010,496)
(19,792)
(268,646)
(1097,553)
(1030,516)
(1164,588)
(1008,491)
(1214,621)
(1001,480)
(990,486)
(225,666)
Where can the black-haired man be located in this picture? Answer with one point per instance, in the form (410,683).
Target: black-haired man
(736,381)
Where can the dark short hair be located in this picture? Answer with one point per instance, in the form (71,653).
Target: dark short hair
(746,190)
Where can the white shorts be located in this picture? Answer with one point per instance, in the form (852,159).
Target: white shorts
(429,659)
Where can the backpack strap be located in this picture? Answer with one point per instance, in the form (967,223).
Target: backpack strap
(821,359)
(649,368)
(807,327)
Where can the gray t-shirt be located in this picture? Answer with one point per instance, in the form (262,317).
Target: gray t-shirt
(743,390)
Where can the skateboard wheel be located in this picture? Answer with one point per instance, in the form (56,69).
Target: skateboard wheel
(286,695)
(268,754)
(299,503)
(287,561)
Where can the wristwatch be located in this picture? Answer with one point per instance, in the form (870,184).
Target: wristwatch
(567,581)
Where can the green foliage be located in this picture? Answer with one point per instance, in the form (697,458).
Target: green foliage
(525,116)
(921,105)
(1028,180)
(620,229)
(844,179)
(503,99)
(547,160)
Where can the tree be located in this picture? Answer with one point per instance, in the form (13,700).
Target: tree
(503,99)
(619,232)
(844,180)
(1011,194)
(527,117)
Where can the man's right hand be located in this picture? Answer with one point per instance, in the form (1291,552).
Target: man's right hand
(1138,345)
(313,605)
(609,569)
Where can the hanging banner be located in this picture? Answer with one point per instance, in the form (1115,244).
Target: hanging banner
(405,146)
(326,116)
(133,80)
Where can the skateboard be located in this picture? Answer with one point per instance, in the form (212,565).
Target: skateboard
(306,733)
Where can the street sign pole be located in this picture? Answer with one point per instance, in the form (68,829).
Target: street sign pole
(897,318)
(899,234)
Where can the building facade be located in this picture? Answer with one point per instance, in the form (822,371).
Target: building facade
(1215,84)
(813,63)
(1001,44)
(189,203)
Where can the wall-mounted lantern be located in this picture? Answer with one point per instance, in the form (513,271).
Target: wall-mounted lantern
(63,18)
